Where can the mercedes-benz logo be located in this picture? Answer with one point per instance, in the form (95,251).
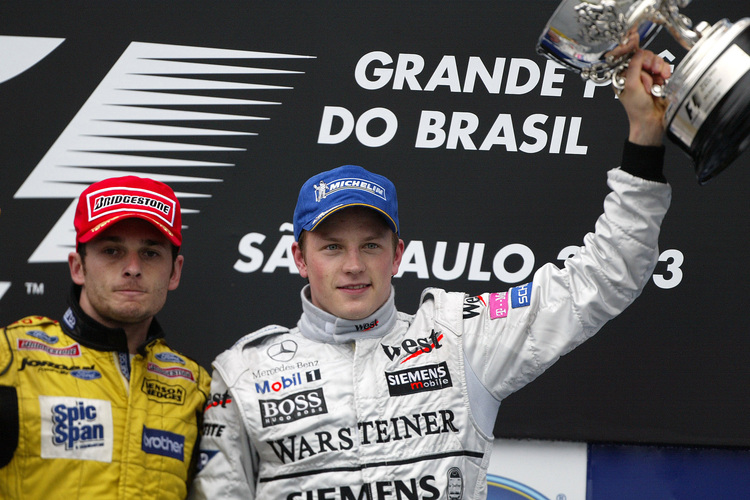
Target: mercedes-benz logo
(283,351)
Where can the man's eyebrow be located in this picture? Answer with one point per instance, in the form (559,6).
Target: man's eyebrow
(153,243)
(145,241)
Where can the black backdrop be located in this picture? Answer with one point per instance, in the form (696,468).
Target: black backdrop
(671,369)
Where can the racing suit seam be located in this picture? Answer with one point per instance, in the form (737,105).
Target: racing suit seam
(10,351)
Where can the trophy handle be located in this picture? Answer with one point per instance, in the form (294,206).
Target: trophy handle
(679,25)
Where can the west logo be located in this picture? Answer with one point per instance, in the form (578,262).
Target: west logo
(366,326)
(414,347)
(218,400)
(471,304)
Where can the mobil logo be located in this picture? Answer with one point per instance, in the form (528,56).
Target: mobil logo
(284,382)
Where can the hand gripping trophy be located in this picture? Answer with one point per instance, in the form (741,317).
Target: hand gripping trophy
(708,96)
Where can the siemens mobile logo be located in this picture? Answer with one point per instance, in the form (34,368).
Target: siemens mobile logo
(167,94)
(421,379)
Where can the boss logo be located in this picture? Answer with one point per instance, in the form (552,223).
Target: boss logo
(292,408)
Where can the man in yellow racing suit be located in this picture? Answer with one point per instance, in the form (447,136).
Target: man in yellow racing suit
(97,405)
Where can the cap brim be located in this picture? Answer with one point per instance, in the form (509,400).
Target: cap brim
(320,218)
(109,221)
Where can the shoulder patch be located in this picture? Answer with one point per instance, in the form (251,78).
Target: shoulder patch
(253,337)
(520,296)
(32,321)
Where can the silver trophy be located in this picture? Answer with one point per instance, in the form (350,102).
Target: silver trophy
(708,95)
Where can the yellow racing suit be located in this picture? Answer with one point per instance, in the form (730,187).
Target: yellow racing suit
(81,418)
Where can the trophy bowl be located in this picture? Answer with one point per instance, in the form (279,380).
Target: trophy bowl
(708,95)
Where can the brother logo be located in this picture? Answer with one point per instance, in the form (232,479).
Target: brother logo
(164,443)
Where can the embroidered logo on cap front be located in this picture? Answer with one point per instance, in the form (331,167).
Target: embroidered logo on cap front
(324,189)
(110,201)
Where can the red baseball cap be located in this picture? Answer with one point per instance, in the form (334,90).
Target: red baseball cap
(112,200)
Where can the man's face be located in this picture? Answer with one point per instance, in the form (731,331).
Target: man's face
(349,261)
(126,273)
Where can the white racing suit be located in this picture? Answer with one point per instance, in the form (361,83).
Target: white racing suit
(397,406)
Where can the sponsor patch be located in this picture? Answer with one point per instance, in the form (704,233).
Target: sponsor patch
(34,345)
(366,326)
(420,379)
(169,357)
(323,189)
(213,430)
(217,400)
(282,351)
(171,372)
(498,305)
(414,347)
(455,484)
(163,443)
(520,296)
(70,319)
(471,304)
(109,201)
(43,336)
(205,457)
(163,392)
(123,361)
(86,374)
(292,408)
(294,380)
(44,365)
(76,428)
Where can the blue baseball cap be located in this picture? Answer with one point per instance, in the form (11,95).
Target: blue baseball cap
(342,187)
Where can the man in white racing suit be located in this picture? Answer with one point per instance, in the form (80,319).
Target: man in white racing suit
(361,402)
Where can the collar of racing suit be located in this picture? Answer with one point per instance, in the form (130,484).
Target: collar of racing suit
(90,333)
(316,324)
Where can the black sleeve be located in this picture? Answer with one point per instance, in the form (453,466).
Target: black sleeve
(646,162)
(8,424)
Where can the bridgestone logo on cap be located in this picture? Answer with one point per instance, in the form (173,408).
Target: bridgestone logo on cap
(121,199)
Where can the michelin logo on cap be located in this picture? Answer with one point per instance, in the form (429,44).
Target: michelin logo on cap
(323,189)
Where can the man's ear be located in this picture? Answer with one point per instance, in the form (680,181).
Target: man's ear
(174,280)
(77,272)
(299,259)
(399,254)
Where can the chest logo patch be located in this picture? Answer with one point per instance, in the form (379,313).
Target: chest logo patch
(420,379)
(76,428)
